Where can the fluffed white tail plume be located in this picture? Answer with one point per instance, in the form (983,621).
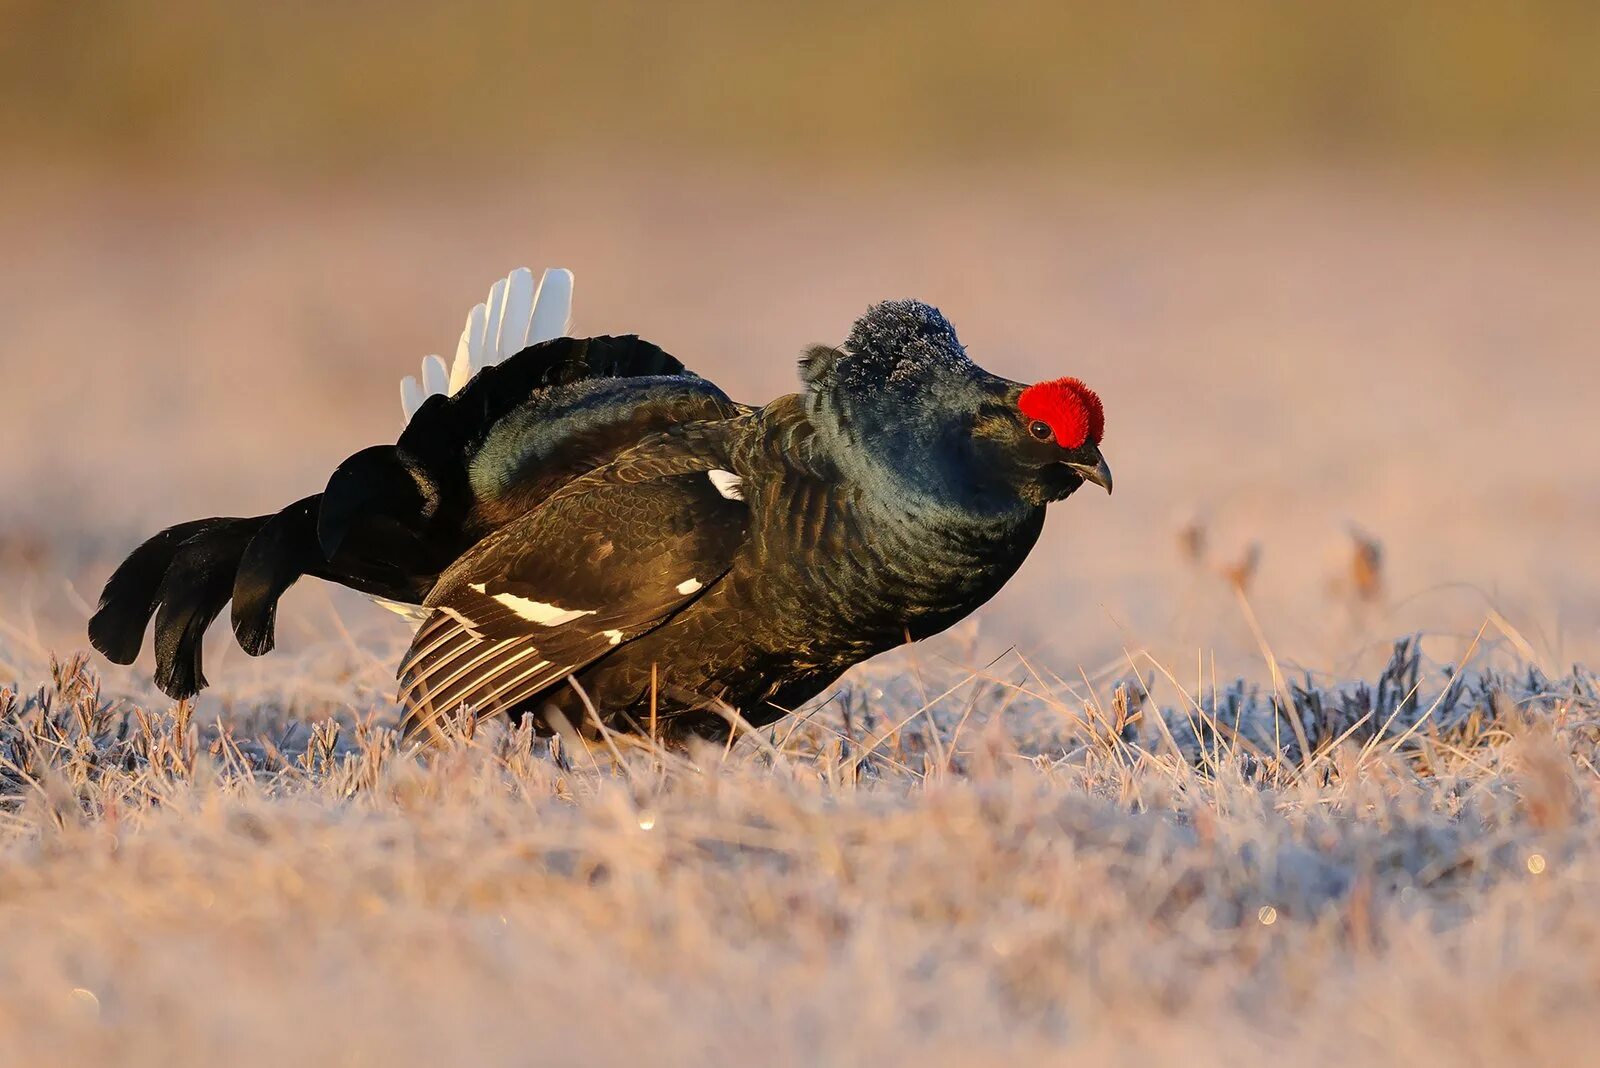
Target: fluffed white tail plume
(516,314)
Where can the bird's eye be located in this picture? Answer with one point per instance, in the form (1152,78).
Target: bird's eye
(1040,430)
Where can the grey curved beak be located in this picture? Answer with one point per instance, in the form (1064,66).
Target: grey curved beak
(1098,472)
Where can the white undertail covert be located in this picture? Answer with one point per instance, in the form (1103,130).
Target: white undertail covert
(517,313)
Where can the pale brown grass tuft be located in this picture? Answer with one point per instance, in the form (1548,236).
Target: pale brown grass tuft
(998,871)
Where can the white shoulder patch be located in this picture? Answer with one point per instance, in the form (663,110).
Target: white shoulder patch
(728,484)
(613,636)
(688,585)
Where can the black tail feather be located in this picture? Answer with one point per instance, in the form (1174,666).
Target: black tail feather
(132,593)
(280,552)
(182,576)
(196,586)
(187,573)
(376,483)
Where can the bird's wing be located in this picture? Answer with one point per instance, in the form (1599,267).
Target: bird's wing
(423,483)
(609,558)
(517,313)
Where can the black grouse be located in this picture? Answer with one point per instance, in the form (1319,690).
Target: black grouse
(588,529)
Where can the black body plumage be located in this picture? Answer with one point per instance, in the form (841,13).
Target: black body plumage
(590,510)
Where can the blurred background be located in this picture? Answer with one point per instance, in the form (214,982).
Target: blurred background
(1332,266)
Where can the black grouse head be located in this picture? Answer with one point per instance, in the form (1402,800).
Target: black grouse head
(904,406)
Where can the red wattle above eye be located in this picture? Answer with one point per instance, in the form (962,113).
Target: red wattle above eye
(1072,410)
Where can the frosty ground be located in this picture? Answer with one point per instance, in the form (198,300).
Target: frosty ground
(1007,870)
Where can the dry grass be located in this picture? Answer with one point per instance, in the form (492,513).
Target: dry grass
(1004,873)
